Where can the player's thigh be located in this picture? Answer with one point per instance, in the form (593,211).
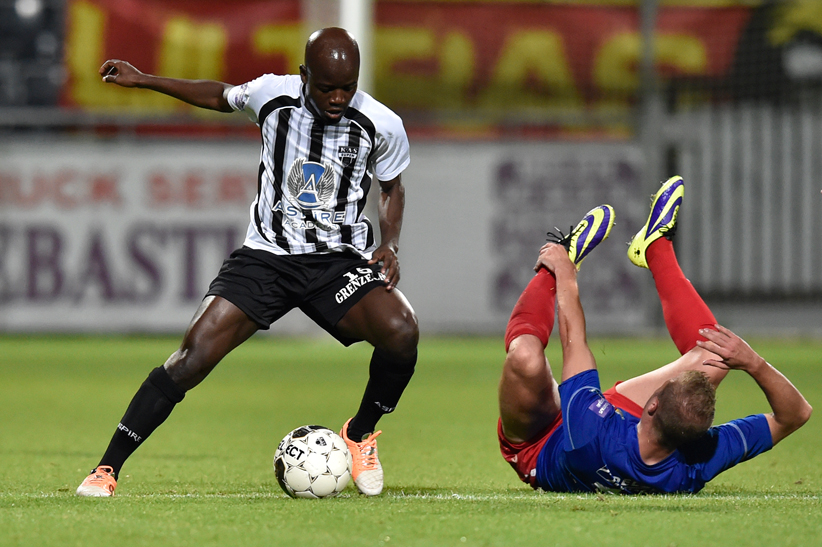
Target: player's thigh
(383,318)
(528,395)
(640,388)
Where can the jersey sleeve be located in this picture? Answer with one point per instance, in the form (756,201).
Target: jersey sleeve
(584,408)
(730,444)
(393,152)
(250,96)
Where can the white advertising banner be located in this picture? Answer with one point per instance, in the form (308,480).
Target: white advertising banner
(478,213)
(126,235)
(116,236)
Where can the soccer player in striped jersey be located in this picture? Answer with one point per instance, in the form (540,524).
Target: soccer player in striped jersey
(649,434)
(308,245)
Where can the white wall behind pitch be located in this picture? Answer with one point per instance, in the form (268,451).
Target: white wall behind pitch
(476,215)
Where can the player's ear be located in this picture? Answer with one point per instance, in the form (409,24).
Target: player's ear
(652,406)
(304,74)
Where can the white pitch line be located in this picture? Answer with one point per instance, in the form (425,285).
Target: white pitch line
(548,497)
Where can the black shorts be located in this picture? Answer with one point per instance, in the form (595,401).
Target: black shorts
(266,286)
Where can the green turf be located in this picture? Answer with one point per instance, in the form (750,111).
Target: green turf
(205,477)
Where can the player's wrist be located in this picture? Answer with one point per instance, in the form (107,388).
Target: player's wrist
(566,271)
(757,366)
(148,81)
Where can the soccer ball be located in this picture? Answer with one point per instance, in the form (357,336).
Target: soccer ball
(312,462)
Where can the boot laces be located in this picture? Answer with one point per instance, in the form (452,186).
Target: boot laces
(368,451)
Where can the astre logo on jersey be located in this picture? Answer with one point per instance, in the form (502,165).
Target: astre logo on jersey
(311,184)
(308,202)
(348,154)
(355,281)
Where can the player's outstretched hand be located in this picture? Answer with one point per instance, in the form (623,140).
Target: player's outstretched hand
(554,257)
(387,256)
(733,351)
(120,73)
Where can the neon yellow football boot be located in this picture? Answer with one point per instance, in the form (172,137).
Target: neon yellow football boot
(661,222)
(592,230)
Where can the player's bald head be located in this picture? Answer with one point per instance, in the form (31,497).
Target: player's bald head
(332,50)
(330,73)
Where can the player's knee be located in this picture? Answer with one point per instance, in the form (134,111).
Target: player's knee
(804,414)
(523,362)
(695,359)
(181,368)
(404,335)
(191,363)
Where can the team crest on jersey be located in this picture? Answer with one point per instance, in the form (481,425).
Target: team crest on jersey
(311,184)
(601,408)
(348,154)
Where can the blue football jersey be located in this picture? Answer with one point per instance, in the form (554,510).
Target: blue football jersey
(596,448)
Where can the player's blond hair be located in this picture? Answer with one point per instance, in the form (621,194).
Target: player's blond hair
(685,410)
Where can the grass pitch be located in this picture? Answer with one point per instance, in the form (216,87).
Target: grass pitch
(205,477)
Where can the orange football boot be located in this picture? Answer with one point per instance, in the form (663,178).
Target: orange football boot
(367,469)
(99,483)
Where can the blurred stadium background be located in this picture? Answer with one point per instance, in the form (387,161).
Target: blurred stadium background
(118,206)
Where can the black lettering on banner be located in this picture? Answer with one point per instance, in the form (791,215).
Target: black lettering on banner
(6,284)
(45,264)
(45,274)
(143,258)
(97,271)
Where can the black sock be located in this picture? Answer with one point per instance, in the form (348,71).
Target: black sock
(387,380)
(150,407)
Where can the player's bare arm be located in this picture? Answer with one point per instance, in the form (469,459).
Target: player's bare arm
(790,409)
(207,94)
(391,208)
(576,356)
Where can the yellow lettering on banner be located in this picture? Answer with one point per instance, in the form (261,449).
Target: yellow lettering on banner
(85,53)
(195,51)
(456,69)
(793,17)
(532,70)
(454,59)
(684,52)
(285,40)
(192,50)
(392,45)
(616,66)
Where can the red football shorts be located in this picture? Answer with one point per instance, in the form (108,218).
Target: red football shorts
(523,456)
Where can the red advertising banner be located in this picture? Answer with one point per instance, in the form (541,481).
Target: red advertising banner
(227,41)
(428,55)
(502,55)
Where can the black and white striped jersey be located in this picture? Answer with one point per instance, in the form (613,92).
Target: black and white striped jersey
(314,177)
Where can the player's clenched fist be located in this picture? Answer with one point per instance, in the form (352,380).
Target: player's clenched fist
(120,73)
(552,257)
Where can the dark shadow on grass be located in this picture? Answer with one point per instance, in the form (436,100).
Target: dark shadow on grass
(54,453)
(94,455)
